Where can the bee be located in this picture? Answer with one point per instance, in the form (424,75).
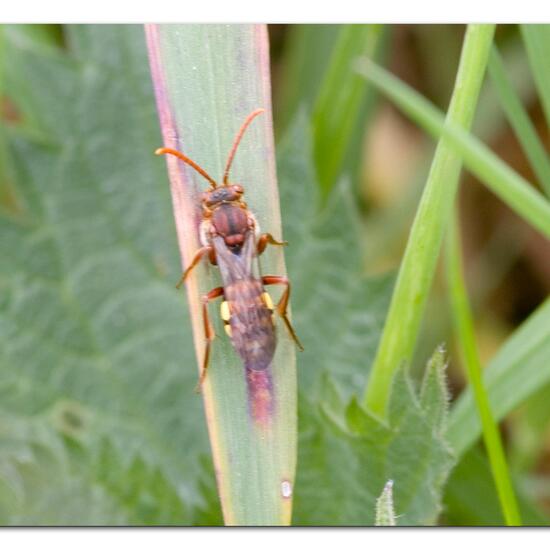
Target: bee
(231,239)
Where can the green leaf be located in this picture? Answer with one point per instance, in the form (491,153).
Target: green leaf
(208,79)
(337,311)
(347,455)
(90,322)
(516,372)
(471,498)
(417,268)
(513,189)
(340,106)
(385,514)
(537,42)
(49,478)
(520,121)
(464,330)
(89,314)
(306,50)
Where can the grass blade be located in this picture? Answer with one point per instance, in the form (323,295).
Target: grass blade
(520,121)
(514,190)
(537,43)
(518,370)
(341,101)
(463,323)
(418,265)
(207,78)
(306,50)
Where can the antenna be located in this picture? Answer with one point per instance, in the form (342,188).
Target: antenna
(238,138)
(187,160)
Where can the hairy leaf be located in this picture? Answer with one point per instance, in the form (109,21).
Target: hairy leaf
(347,455)
(93,332)
(385,514)
(338,312)
(99,423)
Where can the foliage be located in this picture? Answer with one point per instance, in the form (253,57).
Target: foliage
(98,421)
(91,322)
(347,455)
(385,514)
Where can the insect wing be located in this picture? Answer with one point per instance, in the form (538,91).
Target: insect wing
(235,267)
(250,319)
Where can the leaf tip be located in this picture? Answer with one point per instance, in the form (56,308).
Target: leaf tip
(385,514)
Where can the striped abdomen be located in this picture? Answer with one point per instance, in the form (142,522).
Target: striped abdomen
(250,318)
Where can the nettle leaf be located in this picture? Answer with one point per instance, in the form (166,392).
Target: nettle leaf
(24,443)
(48,492)
(385,514)
(347,455)
(96,356)
(90,315)
(337,311)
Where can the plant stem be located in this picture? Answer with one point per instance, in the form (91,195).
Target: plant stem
(464,330)
(417,268)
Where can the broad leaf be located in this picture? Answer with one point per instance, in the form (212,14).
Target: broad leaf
(98,420)
(89,315)
(338,312)
(347,455)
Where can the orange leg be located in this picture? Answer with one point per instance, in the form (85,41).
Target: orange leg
(283,303)
(208,331)
(265,239)
(197,258)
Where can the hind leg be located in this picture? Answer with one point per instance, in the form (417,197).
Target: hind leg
(283,304)
(208,331)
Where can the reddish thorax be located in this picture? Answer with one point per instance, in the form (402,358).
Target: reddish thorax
(228,214)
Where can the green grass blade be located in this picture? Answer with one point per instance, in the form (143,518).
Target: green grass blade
(537,43)
(307,48)
(514,190)
(490,118)
(418,265)
(342,96)
(518,370)
(464,329)
(207,79)
(520,121)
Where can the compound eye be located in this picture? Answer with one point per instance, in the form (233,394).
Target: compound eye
(238,189)
(206,198)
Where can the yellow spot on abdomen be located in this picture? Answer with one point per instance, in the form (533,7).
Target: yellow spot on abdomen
(224,309)
(267,300)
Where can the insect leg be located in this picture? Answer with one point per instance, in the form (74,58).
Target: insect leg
(197,258)
(283,303)
(265,239)
(208,331)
